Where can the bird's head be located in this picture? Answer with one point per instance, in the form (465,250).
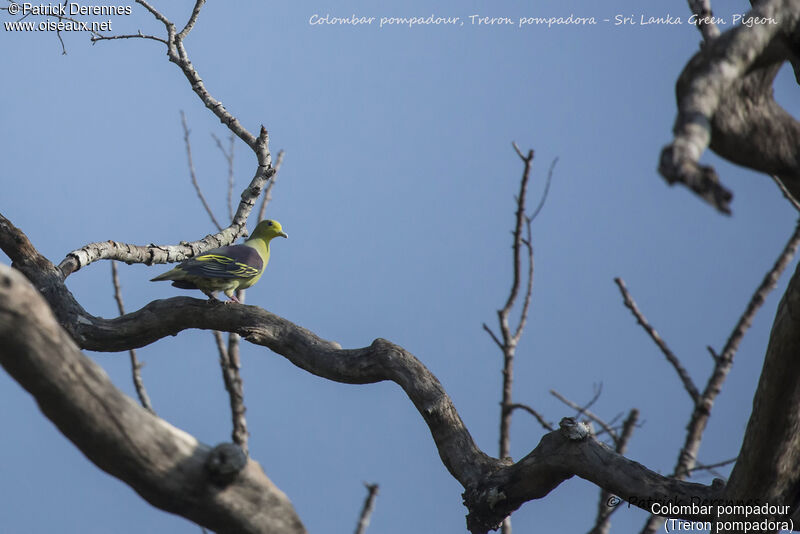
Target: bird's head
(266,230)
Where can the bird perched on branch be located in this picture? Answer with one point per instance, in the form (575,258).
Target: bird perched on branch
(227,269)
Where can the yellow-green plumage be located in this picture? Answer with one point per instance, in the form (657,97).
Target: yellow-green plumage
(227,269)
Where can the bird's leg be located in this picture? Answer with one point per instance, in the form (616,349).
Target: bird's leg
(233,297)
(212,295)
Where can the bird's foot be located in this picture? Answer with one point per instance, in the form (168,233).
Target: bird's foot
(212,297)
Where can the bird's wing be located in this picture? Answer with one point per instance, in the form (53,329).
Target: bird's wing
(237,261)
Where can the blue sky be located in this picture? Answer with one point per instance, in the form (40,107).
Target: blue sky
(397,193)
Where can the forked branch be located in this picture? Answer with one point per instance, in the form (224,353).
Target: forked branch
(493,487)
(150,254)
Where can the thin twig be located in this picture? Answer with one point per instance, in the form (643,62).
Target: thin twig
(612,424)
(139,35)
(192,173)
(724,361)
(546,190)
(509,341)
(54,13)
(268,192)
(542,421)
(153,11)
(598,390)
(493,336)
(587,413)
(688,384)
(192,19)
(220,342)
(366,510)
(528,242)
(523,316)
(607,505)
(136,366)
(229,364)
(518,226)
(511,336)
(687,458)
(786,192)
(709,467)
(228,155)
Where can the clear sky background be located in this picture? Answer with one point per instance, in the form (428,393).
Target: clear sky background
(397,194)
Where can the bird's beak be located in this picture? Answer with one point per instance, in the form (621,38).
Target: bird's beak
(283,234)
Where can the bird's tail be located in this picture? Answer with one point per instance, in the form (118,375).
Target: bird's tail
(169,275)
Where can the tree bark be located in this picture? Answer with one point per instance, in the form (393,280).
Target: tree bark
(214,487)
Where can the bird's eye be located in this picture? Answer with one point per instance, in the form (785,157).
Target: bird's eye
(269,223)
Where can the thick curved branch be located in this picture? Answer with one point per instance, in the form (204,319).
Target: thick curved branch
(725,101)
(572,450)
(216,488)
(493,488)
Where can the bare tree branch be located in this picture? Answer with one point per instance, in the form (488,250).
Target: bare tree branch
(542,421)
(793,201)
(493,487)
(493,336)
(234,385)
(545,193)
(366,510)
(704,19)
(510,337)
(517,245)
(526,303)
(138,35)
(688,384)
(192,20)
(607,505)
(586,412)
(214,487)
(230,364)
(687,457)
(151,254)
(219,341)
(767,461)
(725,102)
(192,173)
(598,390)
(709,467)
(136,366)
(228,154)
(724,363)
(229,360)
(268,191)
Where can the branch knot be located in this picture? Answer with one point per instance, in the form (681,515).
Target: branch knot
(574,430)
(224,463)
